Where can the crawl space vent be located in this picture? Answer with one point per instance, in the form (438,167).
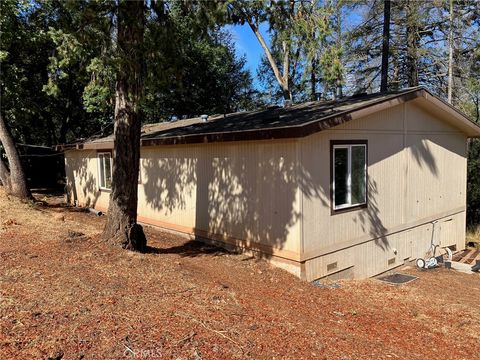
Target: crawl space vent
(397,278)
(332,266)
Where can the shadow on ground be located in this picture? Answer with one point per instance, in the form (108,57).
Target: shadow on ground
(191,248)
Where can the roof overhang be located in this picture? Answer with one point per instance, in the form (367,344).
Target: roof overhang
(422,97)
(462,122)
(104,145)
(450,114)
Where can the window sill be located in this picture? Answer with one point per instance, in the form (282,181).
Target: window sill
(105,190)
(348,209)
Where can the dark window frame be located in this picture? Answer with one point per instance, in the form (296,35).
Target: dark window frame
(334,211)
(105,151)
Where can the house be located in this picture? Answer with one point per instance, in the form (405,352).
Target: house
(345,189)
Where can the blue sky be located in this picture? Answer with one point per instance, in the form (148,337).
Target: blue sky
(247,44)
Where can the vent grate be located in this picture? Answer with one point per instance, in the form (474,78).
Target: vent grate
(332,266)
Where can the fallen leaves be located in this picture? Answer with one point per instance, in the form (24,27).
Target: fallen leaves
(66,294)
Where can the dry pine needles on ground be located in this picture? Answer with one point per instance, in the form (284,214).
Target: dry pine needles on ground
(65,294)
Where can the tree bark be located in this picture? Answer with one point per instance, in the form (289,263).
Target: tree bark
(121,228)
(385,45)
(450,55)
(287,94)
(281,79)
(5,177)
(338,82)
(17,181)
(395,60)
(412,43)
(313,74)
(313,81)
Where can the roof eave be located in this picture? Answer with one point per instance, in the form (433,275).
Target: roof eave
(104,145)
(463,123)
(467,126)
(296,131)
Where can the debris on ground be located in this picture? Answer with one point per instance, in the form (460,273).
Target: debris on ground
(323,285)
(9,222)
(468,256)
(462,267)
(476,267)
(397,278)
(87,299)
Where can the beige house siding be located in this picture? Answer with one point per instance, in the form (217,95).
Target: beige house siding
(229,191)
(243,193)
(82,188)
(416,174)
(274,195)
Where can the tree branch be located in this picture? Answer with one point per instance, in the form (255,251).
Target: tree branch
(286,63)
(295,62)
(268,54)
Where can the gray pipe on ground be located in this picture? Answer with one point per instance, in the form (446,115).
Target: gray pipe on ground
(94,211)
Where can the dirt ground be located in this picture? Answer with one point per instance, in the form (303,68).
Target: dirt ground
(67,295)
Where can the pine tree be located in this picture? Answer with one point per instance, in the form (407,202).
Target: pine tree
(121,227)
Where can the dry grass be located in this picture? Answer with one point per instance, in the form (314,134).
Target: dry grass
(473,236)
(63,294)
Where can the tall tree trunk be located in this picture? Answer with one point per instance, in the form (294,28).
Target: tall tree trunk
(396,75)
(338,81)
(52,138)
(450,55)
(338,89)
(284,85)
(313,81)
(17,183)
(121,227)
(385,45)
(287,93)
(313,72)
(5,177)
(412,43)
(395,59)
(477,112)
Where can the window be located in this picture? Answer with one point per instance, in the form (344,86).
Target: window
(105,170)
(349,174)
(140,172)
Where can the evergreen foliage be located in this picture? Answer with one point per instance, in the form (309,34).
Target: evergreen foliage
(59,60)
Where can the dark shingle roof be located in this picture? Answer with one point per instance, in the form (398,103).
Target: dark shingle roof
(276,122)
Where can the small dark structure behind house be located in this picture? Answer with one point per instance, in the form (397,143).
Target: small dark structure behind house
(44,166)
